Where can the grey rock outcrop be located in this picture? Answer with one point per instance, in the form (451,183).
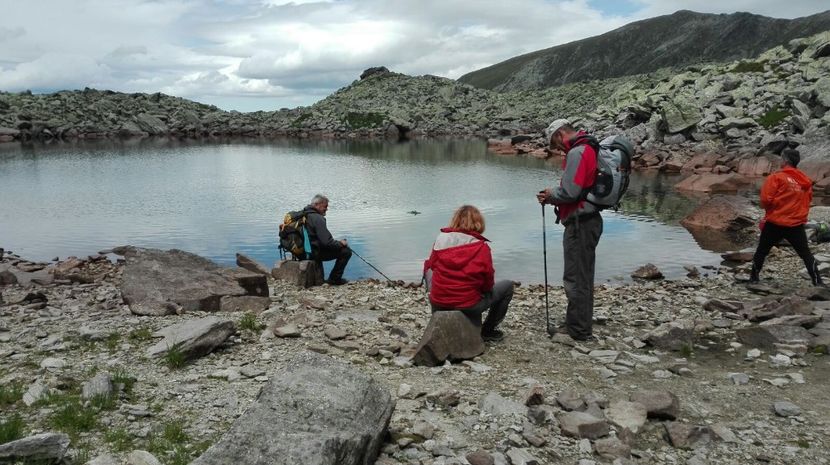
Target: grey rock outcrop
(449,335)
(317,411)
(193,338)
(157,282)
(99,386)
(46,447)
(303,273)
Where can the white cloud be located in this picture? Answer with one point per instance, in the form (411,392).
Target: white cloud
(292,52)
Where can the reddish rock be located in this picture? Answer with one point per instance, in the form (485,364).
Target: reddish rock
(815,169)
(501,147)
(723,213)
(713,183)
(759,166)
(703,160)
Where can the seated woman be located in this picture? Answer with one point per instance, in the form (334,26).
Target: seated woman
(460,275)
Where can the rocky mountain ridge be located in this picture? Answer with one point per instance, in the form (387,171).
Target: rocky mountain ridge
(736,110)
(679,39)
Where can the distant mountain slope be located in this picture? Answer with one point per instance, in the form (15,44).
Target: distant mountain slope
(679,39)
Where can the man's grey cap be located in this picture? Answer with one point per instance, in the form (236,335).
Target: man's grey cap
(555,126)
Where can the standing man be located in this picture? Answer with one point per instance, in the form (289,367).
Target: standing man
(323,246)
(582,221)
(786,197)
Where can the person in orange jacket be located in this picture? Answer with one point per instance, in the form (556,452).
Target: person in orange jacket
(786,197)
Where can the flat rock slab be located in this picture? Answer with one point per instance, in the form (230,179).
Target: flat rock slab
(768,336)
(317,411)
(159,282)
(303,273)
(193,338)
(630,415)
(46,447)
(449,335)
(250,264)
(496,405)
(583,425)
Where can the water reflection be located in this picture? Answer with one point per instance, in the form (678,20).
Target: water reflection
(225,196)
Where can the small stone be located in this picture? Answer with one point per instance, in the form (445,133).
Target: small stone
(334,333)
(250,371)
(570,400)
(661,374)
(522,457)
(52,364)
(141,457)
(423,429)
(784,408)
(35,392)
(480,457)
(535,395)
(685,436)
(604,356)
(289,330)
(583,425)
(662,405)
(612,448)
(753,354)
(647,271)
(738,378)
(496,405)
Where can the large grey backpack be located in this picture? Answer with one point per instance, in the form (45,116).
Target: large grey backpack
(613,170)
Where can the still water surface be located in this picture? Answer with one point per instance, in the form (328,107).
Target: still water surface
(215,199)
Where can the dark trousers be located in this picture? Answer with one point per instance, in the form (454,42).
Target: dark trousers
(795,235)
(342,256)
(496,301)
(579,243)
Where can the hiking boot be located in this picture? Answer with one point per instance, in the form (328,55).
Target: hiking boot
(337,282)
(815,276)
(753,276)
(492,336)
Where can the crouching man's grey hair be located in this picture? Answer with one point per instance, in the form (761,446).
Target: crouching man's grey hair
(319,199)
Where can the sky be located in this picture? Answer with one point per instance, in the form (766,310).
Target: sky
(249,55)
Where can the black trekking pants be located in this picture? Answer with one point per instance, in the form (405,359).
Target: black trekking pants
(580,243)
(342,256)
(772,234)
(496,301)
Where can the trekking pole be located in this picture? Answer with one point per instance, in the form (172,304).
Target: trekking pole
(545,256)
(372,266)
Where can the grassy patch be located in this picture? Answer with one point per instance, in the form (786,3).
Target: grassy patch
(803,443)
(119,439)
(11,429)
(126,380)
(72,417)
(249,322)
(112,341)
(103,402)
(686,350)
(174,357)
(170,444)
(359,120)
(773,118)
(140,335)
(749,67)
(11,394)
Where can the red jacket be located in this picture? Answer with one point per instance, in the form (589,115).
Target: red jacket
(579,173)
(786,197)
(462,269)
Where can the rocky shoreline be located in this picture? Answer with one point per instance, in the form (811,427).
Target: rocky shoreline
(696,370)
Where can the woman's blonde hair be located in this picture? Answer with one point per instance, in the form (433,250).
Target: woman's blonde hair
(467,218)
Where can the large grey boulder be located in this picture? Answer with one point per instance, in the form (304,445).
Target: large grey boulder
(317,411)
(768,336)
(583,425)
(158,282)
(193,338)
(46,447)
(662,405)
(303,273)
(449,335)
(679,115)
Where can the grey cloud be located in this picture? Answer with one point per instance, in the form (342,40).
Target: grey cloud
(7,34)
